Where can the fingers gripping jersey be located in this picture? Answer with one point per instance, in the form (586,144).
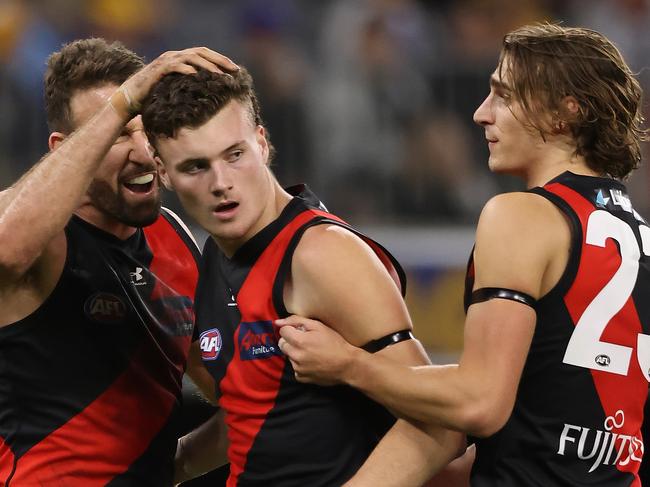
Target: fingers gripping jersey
(579,408)
(282,433)
(90,382)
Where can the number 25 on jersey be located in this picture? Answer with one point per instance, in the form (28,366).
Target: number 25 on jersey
(585,348)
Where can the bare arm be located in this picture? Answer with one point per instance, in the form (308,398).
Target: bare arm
(338,278)
(206,447)
(457,473)
(516,249)
(38,206)
(423,449)
(202,450)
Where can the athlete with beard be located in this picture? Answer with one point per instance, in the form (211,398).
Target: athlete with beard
(96,316)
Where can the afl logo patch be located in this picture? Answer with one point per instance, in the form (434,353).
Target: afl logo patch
(105,308)
(603,360)
(210,343)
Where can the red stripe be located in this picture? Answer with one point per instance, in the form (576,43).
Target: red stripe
(597,267)
(6,461)
(173,261)
(104,439)
(250,387)
(177,272)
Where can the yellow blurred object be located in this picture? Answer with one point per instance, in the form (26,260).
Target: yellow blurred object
(123,15)
(13,17)
(437,311)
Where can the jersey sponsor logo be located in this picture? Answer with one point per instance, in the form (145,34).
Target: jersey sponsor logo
(601,447)
(257,340)
(601,199)
(619,198)
(232,302)
(616,197)
(105,308)
(137,279)
(210,343)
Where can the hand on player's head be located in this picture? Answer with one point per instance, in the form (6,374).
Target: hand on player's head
(127,100)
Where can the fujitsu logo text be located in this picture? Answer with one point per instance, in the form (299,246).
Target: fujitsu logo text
(603,447)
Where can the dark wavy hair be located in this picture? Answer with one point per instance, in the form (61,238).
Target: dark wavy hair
(544,63)
(189,100)
(80,65)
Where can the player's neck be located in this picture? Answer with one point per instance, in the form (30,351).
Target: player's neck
(557,160)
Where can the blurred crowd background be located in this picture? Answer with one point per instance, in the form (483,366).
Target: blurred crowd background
(369,101)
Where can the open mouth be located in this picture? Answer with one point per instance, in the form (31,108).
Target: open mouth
(140,184)
(226,207)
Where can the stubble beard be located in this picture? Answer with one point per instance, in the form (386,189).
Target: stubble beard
(116,206)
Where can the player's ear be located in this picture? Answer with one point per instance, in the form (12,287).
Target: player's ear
(569,109)
(571,105)
(55,139)
(260,135)
(162,172)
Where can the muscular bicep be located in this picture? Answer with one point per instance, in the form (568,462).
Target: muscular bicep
(338,279)
(522,243)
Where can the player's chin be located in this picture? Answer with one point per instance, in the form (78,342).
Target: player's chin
(495,165)
(498,166)
(143,215)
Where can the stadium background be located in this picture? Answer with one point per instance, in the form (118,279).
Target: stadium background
(369,101)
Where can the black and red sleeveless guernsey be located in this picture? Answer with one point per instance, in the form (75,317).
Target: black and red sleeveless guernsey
(282,433)
(579,408)
(90,383)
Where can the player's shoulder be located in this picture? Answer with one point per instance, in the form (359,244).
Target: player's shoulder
(329,247)
(519,211)
(518,237)
(520,219)
(518,204)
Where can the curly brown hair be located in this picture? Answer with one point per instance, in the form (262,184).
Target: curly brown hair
(80,65)
(189,100)
(544,63)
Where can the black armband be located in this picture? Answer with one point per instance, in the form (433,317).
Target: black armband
(385,341)
(487,293)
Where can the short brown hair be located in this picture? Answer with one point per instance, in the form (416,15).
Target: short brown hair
(79,65)
(189,100)
(545,62)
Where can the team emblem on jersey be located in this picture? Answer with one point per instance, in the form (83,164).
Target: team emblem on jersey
(105,308)
(210,343)
(257,340)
